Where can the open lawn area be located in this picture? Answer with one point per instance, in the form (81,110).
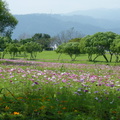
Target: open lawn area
(52,56)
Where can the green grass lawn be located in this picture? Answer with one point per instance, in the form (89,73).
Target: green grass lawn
(52,56)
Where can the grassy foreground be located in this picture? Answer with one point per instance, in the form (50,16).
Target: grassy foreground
(58,91)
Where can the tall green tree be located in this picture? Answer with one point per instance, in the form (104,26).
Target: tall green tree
(43,39)
(60,50)
(71,48)
(110,37)
(12,48)
(87,46)
(115,48)
(99,44)
(23,41)
(7,20)
(32,48)
(4,41)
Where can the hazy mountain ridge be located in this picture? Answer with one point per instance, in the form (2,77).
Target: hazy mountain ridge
(108,14)
(55,23)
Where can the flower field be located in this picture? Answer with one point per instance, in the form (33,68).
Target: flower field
(58,91)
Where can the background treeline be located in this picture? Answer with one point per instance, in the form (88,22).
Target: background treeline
(32,45)
(98,44)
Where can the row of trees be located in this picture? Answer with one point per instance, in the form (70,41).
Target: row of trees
(30,45)
(99,44)
(36,43)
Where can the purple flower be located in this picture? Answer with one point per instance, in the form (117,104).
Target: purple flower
(118,89)
(32,79)
(36,83)
(112,85)
(96,91)
(11,76)
(85,90)
(79,89)
(99,84)
(76,93)
(63,80)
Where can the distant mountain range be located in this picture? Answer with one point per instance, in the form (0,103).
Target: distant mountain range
(85,22)
(109,14)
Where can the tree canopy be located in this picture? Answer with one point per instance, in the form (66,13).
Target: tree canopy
(43,39)
(99,44)
(115,48)
(7,20)
(71,48)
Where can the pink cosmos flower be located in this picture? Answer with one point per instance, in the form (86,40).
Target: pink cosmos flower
(64,80)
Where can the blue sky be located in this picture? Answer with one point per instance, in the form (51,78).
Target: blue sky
(58,6)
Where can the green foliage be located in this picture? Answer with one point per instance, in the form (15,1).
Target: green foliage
(98,44)
(60,48)
(3,42)
(7,21)
(86,46)
(43,39)
(12,48)
(71,48)
(32,48)
(23,41)
(105,44)
(75,40)
(115,48)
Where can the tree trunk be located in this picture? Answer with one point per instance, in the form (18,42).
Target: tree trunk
(90,57)
(73,59)
(31,57)
(0,55)
(25,55)
(95,57)
(35,55)
(105,58)
(59,56)
(111,55)
(117,58)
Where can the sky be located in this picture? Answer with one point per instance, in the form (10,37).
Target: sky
(58,6)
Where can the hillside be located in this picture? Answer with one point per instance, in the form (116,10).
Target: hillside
(55,23)
(103,13)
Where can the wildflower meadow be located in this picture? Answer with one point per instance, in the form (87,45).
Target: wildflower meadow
(32,90)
